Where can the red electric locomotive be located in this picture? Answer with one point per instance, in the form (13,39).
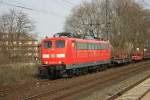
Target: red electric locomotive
(61,56)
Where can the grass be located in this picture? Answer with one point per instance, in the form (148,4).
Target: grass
(17,73)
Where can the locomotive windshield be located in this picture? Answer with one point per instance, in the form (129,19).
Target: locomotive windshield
(60,44)
(47,44)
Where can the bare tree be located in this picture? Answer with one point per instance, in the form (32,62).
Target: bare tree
(15,22)
(16,25)
(128,25)
(127,28)
(87,18)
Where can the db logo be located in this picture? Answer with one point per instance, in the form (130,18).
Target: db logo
(52,55)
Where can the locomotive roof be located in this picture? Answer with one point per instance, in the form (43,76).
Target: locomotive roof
(77,39)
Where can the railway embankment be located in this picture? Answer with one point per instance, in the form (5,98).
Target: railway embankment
(97,86)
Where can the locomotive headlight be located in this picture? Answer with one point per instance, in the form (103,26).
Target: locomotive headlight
(59,62)
(46,62)
(45,56)
(60,55)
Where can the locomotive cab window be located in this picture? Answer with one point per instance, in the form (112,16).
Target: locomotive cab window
(47,44)
(60,44)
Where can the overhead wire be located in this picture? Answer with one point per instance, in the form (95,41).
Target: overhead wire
(15,1)
(31,9)
(61,4)
(69,3)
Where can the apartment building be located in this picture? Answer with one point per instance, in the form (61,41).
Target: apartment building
(22,48)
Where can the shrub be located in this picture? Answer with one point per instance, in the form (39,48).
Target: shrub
(14,73)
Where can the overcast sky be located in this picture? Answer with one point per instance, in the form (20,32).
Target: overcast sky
(48,15)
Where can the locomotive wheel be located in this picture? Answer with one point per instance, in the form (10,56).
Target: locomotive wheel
(70,74)
(43,74)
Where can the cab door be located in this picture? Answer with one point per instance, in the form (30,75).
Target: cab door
(74,51)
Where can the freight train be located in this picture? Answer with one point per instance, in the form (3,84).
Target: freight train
(66,55)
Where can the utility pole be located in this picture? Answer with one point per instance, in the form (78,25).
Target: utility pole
(106,20)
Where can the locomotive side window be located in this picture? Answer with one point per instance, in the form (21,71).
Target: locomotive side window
(96,46)
(81,46)
(60,44)
(103,46)
(99,47)
(90,46)
(47,44)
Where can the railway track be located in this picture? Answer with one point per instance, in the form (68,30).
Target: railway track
(38,82)
(127,89)
(72,89)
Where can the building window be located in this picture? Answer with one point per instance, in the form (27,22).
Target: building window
(15,49)
(6,36)
(14,42)
(29,54)
(29,48)
(20,42)
(3,36)
(30,42)
(6,42)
